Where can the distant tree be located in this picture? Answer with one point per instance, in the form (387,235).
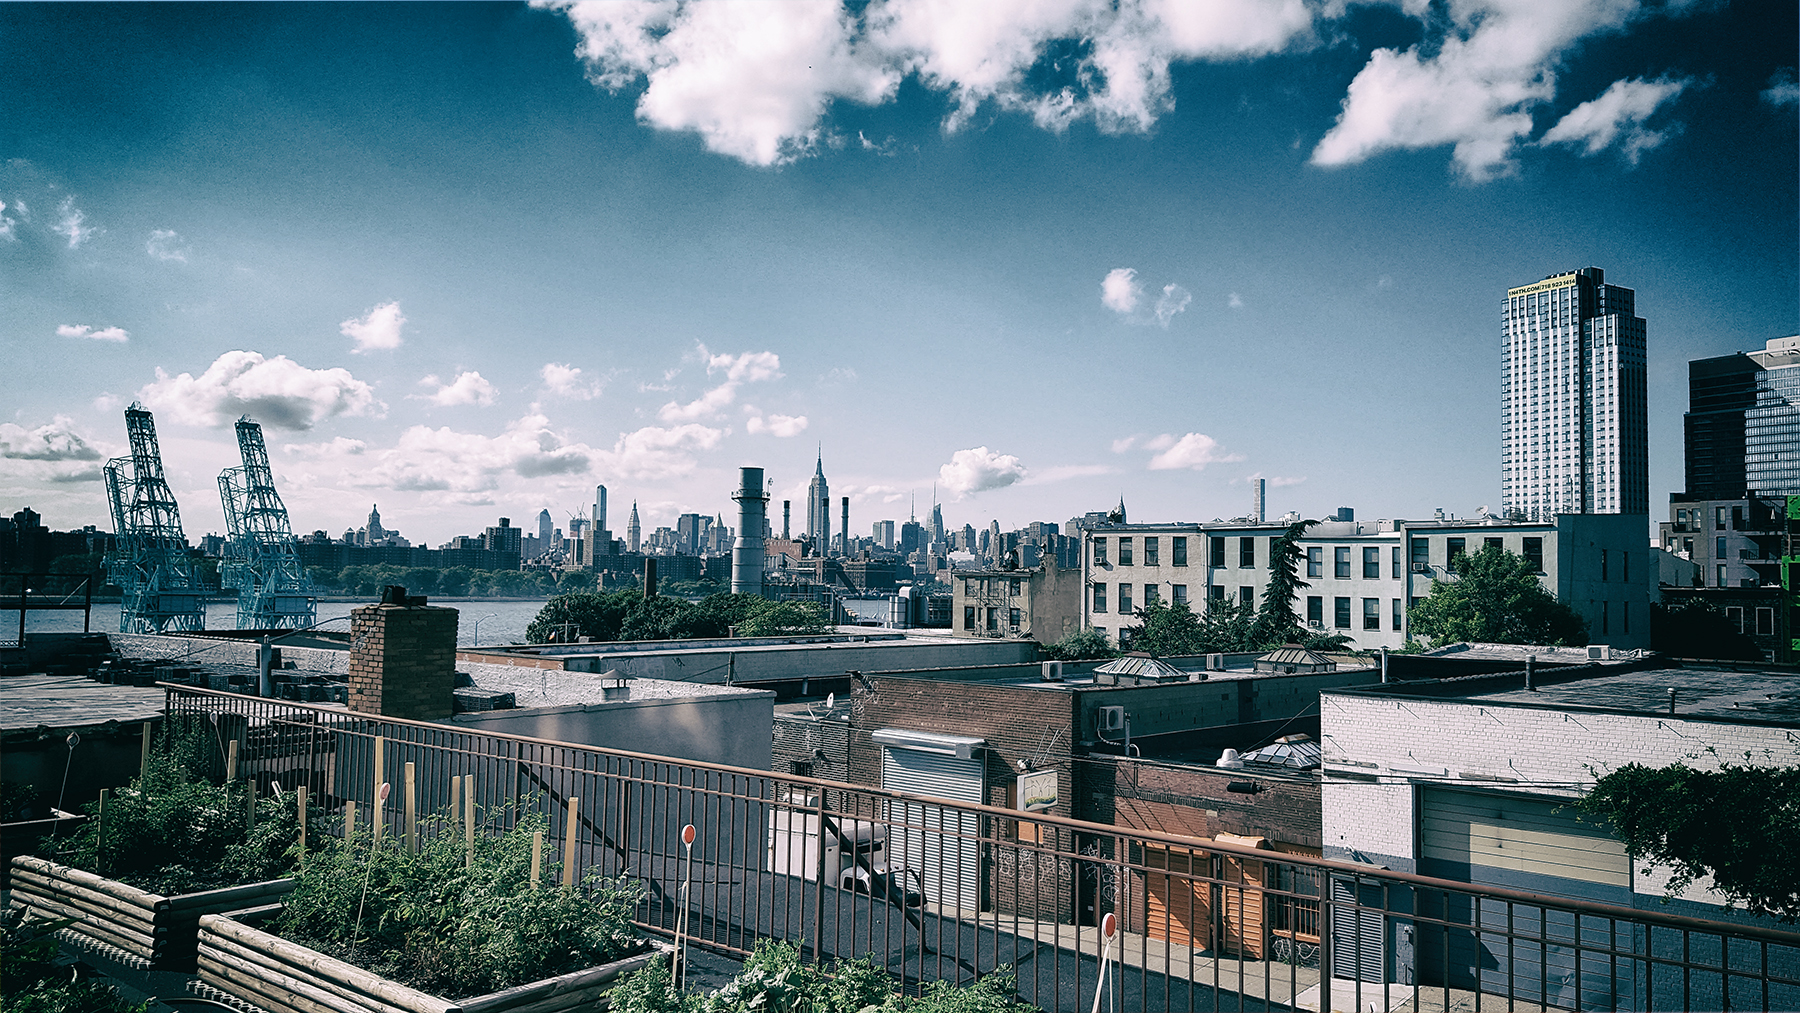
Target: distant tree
(1082,645)
(1228,627)
(1691,628)
(1276,621)
(422,579)
(1165,630)
(575,582)
(454,582)
(1495,599)
(1738,824)
(596,616)
(784,619)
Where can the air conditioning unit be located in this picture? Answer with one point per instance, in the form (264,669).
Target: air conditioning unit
(1111,719)
(1053,671)
(1215,663)
(1421,568)
(1600,652)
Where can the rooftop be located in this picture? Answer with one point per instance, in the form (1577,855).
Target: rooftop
(72,701)
(1747,695)
(536,687)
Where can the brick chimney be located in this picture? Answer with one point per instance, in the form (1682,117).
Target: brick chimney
(403,661)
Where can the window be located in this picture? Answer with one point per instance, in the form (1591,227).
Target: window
(1371,613)
(1396,626)
(968,617)
(1603,562)
(1247,597)
(1179,591)
(969,585)
(1605,617)
(1719,518)
(1124,552)
(1680,519)
(1765,622)
(1341,562)
(1534,554)
(1719,545)
(1099,597)
(1687,546)
(993,620)
(1217,550)
(1421,553)
(1315,610)
(1625,565)
(1371,562)
(1737,518)
(1498,543)
(1099,552)
(1340,608)
(1246,553)
(1315,561)
(1124,599)
(1454,547)
(1013,618)
(1151,593)
(1015,587)
(1178,551)
(1397,571)
(1721,582)
(1152,551)
(1734,615)
(1215,592)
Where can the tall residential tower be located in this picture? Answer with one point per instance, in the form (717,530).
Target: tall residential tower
(1574,424)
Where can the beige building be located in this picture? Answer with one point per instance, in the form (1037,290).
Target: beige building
(1042,603)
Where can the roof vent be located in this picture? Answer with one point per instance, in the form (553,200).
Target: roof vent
(1231,760)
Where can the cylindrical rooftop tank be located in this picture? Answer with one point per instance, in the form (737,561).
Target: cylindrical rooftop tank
(900,609)
(747,551)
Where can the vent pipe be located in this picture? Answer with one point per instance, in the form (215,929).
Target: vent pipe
(787,519)
(1531,673)
(747,554)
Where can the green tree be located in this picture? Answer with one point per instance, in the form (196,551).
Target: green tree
(785,619)
(1738,824)
(1166,631)
(1276,621)
(1229,626)
(1082,645)
(596,616)
(454,582)
(1496,599)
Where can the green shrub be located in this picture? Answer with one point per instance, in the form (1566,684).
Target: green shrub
(427,920)
(33,982)
(171,833)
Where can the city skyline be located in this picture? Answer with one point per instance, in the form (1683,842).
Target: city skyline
(455,268)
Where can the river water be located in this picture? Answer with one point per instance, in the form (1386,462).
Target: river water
(500,620)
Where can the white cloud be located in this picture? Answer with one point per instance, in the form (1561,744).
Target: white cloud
(340,446)
(6,224)
(1496,62)
(1119,290)
(1163,442)
(1783,89)
(1618,115)
(100,334)
(279,393)
(1173,300)
(443,459)
(978,470)
(1234,301)
(752,79)
(1194,451)
(55,440)
(378,328)
(467,388)
(165,244)
(749,367)
(1124,443)
(565,380)
(71,224)
(653,453)
(777,425)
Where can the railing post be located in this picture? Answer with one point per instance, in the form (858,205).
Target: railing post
(1325,923)
(819,893)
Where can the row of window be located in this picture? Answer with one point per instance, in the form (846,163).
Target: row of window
(1178,595)
(1013,617)
(992,585)
(1341,563)
(1178,551)
(1341,612)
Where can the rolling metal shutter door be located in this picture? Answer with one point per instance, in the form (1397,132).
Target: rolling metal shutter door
(1358,932)
(1505,832)
(940,845)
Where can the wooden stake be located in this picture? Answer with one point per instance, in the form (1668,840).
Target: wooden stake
(574,821)
(300,802)
(469,821)
(376,811)
(231,758)
(412,809)
(349,823)
(144,754)
(537,856)
(455,800)
(100,830)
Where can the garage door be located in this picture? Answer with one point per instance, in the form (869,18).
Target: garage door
(1536,845)
(941,845)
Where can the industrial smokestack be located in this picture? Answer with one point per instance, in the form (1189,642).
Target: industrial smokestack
(845,528)
(787,516)
(649,577)
(747,553)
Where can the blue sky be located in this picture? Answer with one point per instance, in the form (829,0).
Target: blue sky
(469,260)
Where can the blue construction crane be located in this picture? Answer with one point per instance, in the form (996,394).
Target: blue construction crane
(262,559)
(151,564)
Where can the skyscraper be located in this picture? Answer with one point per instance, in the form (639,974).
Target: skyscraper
(818,508)
(545,526)
(1574,423)
(1742,427)
(634,533)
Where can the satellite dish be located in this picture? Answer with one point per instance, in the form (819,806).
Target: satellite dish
(830,702)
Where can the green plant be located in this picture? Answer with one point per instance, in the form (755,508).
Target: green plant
(33,982)
(170,832)
(1082,645)
(1277,623)
(1497,599)
(1738,824)
(440,926)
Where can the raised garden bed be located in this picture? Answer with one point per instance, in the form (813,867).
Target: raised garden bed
(281,976)
(158,931)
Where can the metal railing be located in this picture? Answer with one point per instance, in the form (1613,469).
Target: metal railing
(1205,925)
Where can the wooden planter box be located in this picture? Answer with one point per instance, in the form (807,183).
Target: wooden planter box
(151,930)
(279,976)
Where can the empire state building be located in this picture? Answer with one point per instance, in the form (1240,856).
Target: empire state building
(818,508)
